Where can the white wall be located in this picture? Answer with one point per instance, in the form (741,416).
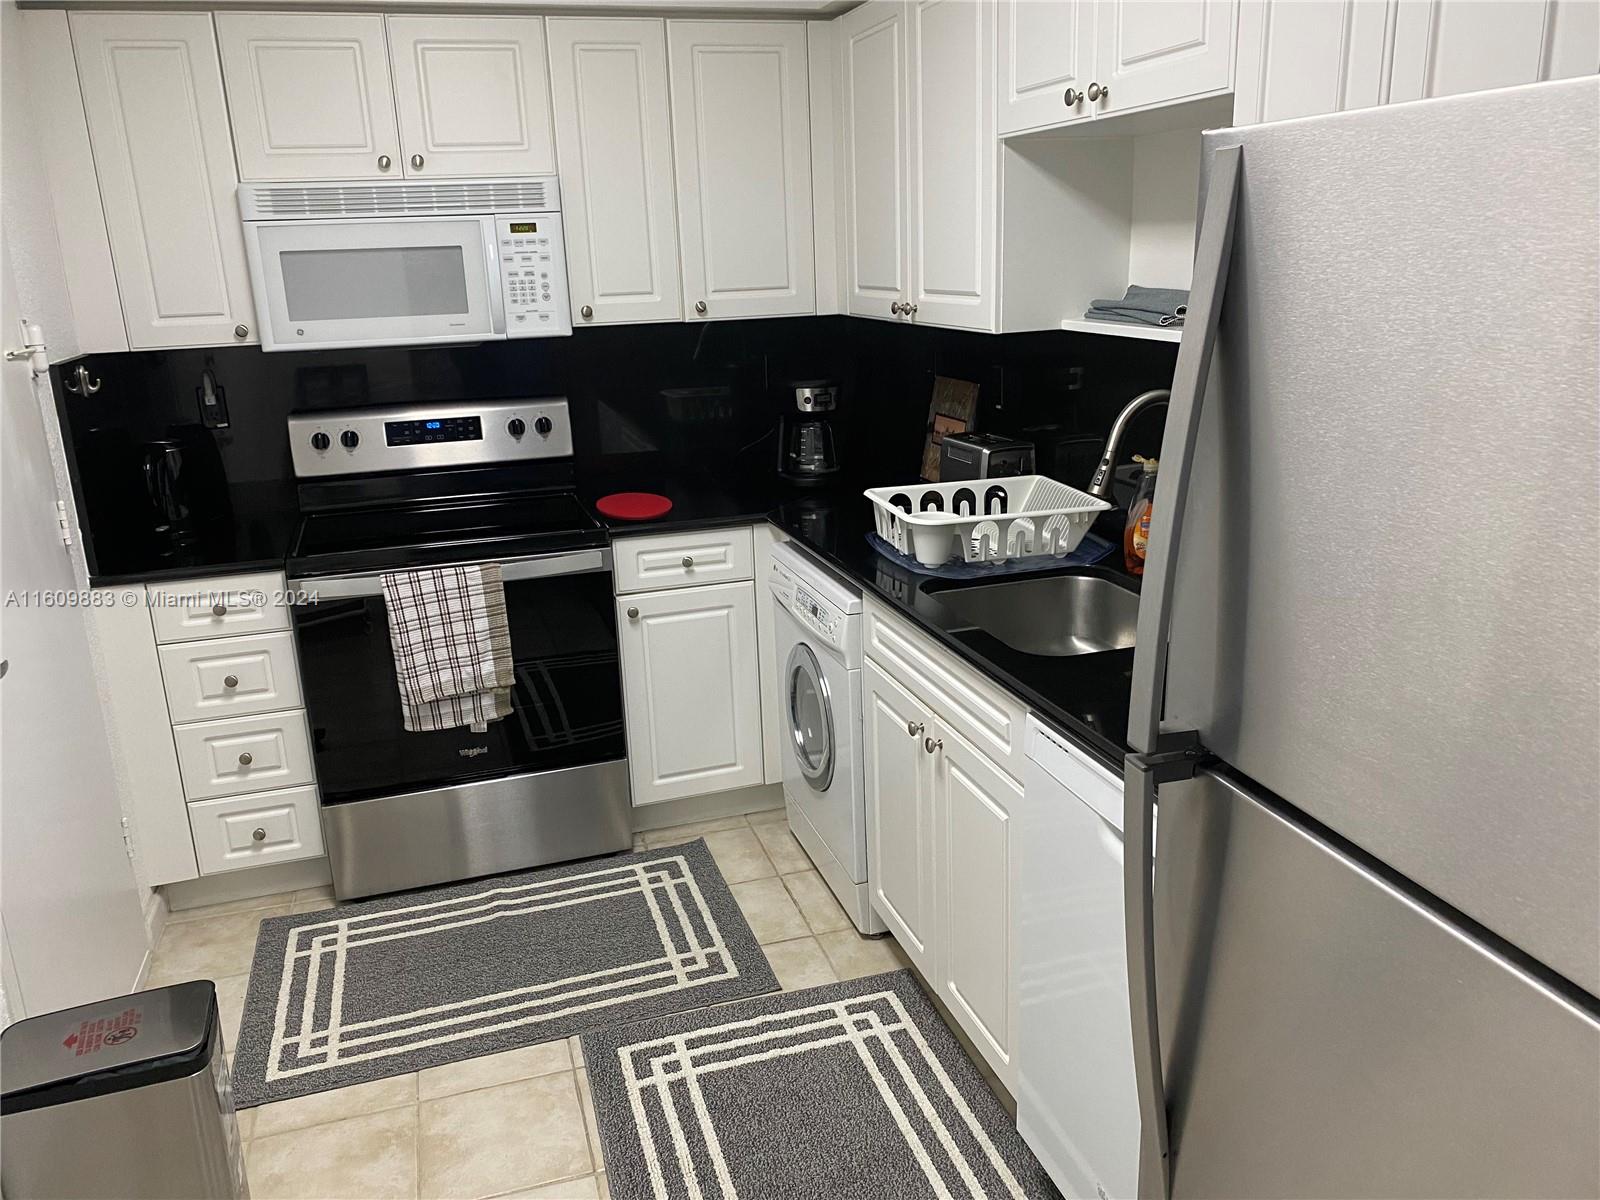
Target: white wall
(1166,195)
(66,883)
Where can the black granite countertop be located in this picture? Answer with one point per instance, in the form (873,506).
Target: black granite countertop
(1085,696)
(247,529)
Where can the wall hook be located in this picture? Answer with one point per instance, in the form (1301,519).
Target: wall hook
(84,385)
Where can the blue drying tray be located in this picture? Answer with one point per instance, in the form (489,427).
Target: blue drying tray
(1091,550)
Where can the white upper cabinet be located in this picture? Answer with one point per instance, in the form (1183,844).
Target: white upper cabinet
(953,151)
(1445,47)
(614,137)
(1317,56)
(1150,52)
(1046,55)
(310,95)
(872,45)
(742,143)
(472,95)
(158,126)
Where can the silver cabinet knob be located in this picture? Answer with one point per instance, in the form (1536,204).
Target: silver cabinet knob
(384,162)
(633,614)
(258,834)
(688,561)
(416,161)
(910,310)
(219,610)
(932,744)
(894,307)
(586,312)
(1096,92)
(700,306)
(914,728)
(241,331)
(246,759)
(1072,97)
(230,681)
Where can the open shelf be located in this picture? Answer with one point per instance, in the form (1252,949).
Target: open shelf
(1150,333)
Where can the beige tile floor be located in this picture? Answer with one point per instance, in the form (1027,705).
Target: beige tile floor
(513,1124)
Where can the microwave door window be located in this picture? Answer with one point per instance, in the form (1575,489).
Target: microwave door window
(374,283)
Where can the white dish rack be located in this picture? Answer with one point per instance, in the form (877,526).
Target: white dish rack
(984,520)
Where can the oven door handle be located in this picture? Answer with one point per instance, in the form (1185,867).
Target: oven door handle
(546,566)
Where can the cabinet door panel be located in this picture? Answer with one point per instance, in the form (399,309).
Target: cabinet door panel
(742,145)
(1151,52)
(1316,56)
(1045,48)
(309,95)
(613,134)
(900,847)
(692,692)
(472,95)
(973,883)
(873,47)
(158,123)
(953,151)
(1446,47)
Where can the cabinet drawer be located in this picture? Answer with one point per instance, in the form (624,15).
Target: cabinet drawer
(243,754)
(673,560)
(253,830)
(983,713)
(208,608)
(230,677)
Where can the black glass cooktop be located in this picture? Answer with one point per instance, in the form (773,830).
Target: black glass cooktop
(469,530)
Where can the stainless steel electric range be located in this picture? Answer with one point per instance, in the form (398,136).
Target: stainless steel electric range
(388,489)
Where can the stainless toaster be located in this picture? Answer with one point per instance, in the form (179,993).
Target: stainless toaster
(983,456)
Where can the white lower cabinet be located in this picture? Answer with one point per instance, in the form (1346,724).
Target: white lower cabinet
(243,754)
(230,677)
(691,690)
(254,830)
(940,852)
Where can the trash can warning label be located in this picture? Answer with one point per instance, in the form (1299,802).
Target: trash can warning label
(92,1036)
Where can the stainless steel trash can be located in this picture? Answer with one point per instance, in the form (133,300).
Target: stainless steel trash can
(127,1098)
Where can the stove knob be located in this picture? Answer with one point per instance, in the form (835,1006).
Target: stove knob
(516,427)
(349,439)
(543,427)
(319,441)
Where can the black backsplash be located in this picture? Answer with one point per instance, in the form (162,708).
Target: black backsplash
(703,397)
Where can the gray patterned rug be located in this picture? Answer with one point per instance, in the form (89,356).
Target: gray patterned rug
(384,987)
(853,1090)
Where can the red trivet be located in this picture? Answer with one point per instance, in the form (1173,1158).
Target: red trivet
(634,506)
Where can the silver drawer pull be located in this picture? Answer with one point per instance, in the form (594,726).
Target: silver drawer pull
(914,728)
(633,614)
(219,610)
(246,759)
(688,561)
(258,834)
(230,681)
(932,744)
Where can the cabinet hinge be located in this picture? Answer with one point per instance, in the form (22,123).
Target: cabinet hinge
(63,523)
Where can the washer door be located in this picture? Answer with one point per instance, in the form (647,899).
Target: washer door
(810,717)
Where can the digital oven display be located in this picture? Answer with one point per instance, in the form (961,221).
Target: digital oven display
(441,429)
(524,227)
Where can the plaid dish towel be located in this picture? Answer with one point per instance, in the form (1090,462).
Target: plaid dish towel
(452,646)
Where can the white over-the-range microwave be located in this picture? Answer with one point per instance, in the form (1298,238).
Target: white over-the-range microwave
(341,264)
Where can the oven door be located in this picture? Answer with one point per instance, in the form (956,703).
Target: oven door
(567,700)
(333,284)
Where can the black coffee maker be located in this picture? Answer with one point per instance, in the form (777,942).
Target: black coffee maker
(808,450)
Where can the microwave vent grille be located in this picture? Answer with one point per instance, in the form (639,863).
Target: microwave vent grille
(288,201)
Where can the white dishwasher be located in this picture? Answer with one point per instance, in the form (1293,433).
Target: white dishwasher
(1076,1102)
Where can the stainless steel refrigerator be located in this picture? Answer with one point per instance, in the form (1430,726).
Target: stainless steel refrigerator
(1367,686)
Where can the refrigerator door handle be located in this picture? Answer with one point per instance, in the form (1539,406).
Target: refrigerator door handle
(1162,757)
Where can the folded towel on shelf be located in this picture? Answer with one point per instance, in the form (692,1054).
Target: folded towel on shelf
(1144,306)
(452,646)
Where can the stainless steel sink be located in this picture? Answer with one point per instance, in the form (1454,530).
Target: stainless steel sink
(1053,615)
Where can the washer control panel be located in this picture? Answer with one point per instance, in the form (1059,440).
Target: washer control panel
(824,622)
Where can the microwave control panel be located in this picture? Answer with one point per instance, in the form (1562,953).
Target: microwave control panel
(533,275)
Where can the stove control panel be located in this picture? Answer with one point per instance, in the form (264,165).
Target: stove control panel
(418,437)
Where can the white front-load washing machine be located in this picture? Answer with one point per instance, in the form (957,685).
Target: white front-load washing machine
(819,652)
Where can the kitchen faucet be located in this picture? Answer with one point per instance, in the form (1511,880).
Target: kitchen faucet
(1100,485)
